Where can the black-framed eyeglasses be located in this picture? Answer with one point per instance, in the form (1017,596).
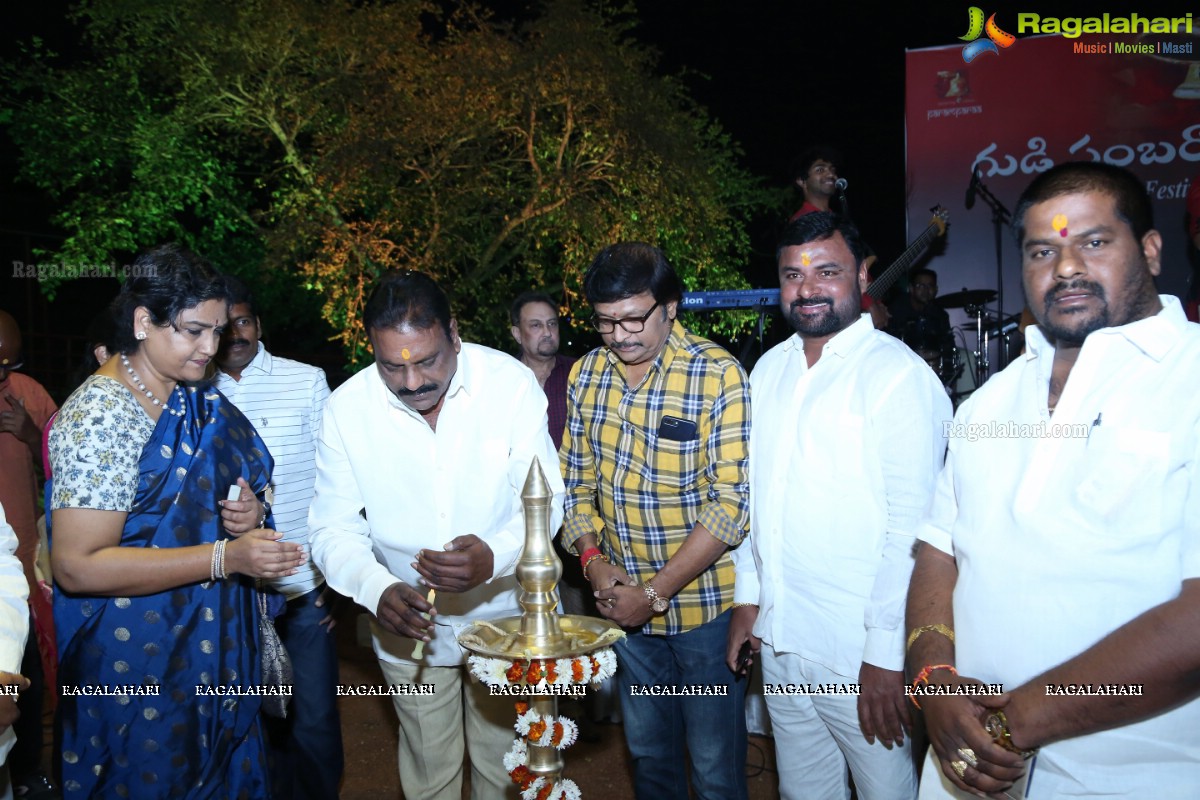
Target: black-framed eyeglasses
(629,324)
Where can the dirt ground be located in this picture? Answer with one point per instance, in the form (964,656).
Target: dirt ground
(600,768)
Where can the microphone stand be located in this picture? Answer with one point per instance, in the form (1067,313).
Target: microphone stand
(1001,217)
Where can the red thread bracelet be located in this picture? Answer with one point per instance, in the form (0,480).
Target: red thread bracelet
(923,677)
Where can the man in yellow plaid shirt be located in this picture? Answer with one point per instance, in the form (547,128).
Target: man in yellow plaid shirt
(655,464)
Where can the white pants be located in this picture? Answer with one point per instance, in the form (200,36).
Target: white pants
(432,734)
(817,735)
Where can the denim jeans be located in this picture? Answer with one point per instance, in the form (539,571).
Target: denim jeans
(306,747)
(712,728)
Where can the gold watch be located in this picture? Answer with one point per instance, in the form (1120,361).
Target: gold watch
(657,604)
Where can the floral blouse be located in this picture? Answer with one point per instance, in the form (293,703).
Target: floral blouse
(95,446)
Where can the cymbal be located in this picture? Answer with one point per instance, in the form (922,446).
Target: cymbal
(967,297)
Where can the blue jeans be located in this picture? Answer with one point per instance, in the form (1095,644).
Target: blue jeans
(306,747)
(658,728)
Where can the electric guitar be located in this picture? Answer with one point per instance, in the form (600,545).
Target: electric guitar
(899,267)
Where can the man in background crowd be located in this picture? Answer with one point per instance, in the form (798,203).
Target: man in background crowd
(284,401)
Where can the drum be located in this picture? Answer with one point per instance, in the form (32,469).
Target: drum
(938,351)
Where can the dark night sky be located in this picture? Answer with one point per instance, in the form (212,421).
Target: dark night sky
(778,75)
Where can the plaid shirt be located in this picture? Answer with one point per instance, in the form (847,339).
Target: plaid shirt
(641,493)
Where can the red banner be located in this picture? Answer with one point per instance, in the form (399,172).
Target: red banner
(1048,99)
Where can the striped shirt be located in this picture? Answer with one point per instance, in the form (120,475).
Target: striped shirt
(641,492)
(284,400)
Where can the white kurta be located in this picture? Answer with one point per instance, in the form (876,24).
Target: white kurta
(843,458)
(420,489)
(1064,529)
(14,615)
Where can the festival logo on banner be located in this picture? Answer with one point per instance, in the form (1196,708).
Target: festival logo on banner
(975,28)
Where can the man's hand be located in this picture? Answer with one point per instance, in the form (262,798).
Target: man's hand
(400,611)
(241,515)
(16,420)
(466,563)
(331,599)
(626,605)
(603,575)
(740,626)
(8,703)
(882,710)
(956,723)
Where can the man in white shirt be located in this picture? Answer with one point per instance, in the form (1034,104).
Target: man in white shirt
(846,443)
(1061,554)
(420,466)
(14,628)
(284,400)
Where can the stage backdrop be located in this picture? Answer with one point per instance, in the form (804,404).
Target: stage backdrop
(1040,102)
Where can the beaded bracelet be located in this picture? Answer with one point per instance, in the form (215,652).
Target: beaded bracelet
(592,557)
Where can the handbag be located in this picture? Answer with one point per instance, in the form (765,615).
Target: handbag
(276,664)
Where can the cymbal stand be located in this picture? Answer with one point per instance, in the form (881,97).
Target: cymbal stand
(982,366)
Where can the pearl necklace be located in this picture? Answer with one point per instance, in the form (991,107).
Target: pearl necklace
(137,380)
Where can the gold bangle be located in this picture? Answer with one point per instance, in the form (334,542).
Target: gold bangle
(743,605)
(937,627)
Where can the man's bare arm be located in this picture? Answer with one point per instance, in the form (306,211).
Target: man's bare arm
(954,723)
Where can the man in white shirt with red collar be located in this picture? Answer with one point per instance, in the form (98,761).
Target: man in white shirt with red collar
(420,466)
(846,443)
(1064,563)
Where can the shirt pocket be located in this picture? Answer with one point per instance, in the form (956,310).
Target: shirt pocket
(673,463)
(1123,477)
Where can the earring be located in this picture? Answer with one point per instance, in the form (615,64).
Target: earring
(140,335)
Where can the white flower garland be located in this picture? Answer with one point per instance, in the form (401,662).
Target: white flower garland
(569,729)
(517,757)
(594,668)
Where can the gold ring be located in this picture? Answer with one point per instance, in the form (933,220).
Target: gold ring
(959,768)
(968,755)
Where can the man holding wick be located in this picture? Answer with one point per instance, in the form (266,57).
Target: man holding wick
(420,464)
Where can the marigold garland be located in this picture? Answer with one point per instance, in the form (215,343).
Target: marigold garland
(557,732)
(594,668)
(535,787)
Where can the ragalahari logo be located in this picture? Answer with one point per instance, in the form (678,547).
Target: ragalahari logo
(975,28)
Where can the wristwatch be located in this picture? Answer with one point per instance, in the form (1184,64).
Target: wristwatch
(266,511)
(657,604)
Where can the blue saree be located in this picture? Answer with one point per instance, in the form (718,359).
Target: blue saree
(184,742)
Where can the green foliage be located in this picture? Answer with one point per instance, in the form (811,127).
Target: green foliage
(310,146)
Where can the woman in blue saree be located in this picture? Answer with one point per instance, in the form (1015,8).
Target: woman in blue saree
(155,607)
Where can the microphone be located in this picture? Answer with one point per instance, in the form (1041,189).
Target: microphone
(972,188)
(841,184)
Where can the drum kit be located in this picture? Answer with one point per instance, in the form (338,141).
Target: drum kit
(962,370)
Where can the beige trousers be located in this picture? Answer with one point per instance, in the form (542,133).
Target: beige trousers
(432,734)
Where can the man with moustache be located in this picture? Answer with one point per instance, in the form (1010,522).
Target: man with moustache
(655,465)
(284,401)
(420,465)
(535,328)
(1069,569)
(847,441)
